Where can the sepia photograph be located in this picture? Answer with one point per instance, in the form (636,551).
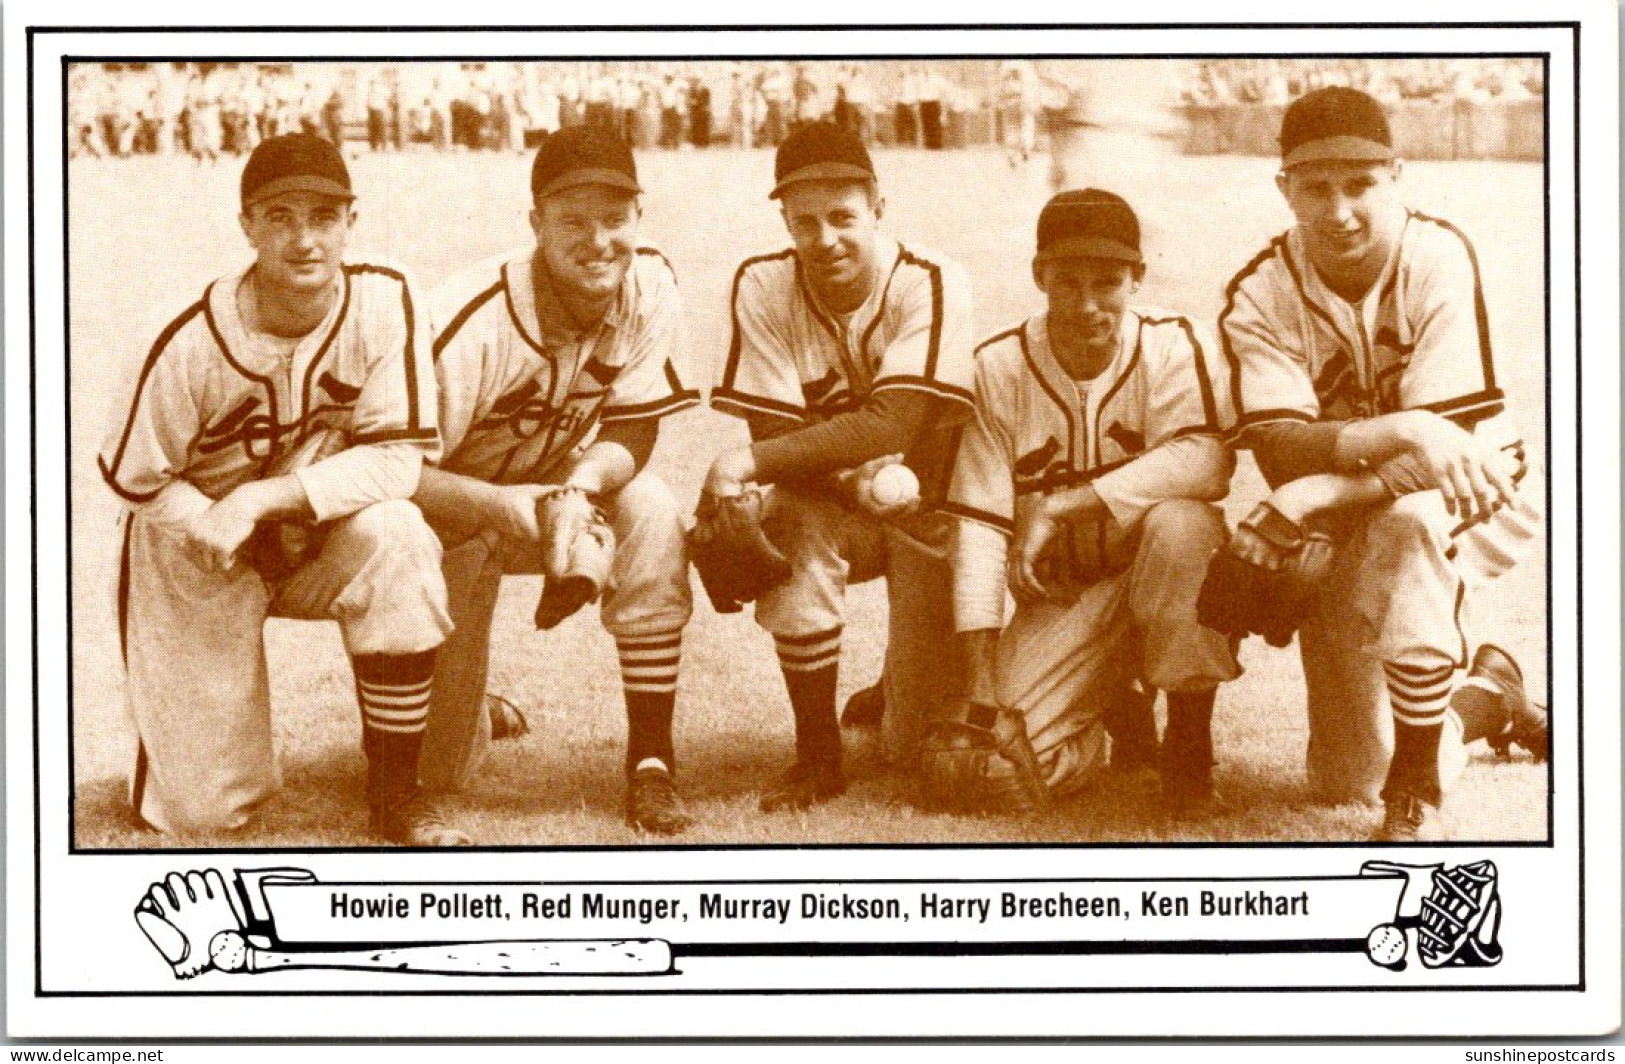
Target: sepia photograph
(753,531)
(787,452)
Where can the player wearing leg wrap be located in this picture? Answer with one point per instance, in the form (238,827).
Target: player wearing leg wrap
(849,350)
(555,376)
(295,397)
(1365,384)
(1089,477)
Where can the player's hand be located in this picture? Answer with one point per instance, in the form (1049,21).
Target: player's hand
(515,516)
(1254,549)
(859,483)
(731,471)
(1032,537)
(1466,471)
(215,535)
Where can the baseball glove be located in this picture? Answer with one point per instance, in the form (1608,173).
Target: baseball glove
(280,546)
(579,547)
(736,561)
(981,761)
(1239,598)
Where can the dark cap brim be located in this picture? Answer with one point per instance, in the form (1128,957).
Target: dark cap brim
(1353,149)
(577,178)
(1090,247)
(827,171)
(321,186)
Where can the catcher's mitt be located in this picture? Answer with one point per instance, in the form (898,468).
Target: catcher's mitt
(280,546)
(579,547)
(1239,598)
(736,561)
(981,761)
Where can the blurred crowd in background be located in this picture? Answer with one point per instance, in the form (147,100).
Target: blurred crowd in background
(209,110)
(1442,80)
(212,109)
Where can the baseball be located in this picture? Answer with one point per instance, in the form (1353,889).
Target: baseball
(1385,945)
(895,485)
(229,951)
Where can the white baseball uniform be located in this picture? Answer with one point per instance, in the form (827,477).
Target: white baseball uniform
(1145,433)
(215,406)
(792,358)
(1420,339)
(522,393)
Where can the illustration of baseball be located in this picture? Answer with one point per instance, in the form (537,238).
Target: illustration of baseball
(1385,945)
(895,485)
(228,951)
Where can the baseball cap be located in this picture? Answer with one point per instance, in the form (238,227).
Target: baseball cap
(1335,123)
(295,162)
(582,155)
(820,151)
(1088,224)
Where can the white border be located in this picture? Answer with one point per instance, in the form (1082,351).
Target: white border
(895,1014)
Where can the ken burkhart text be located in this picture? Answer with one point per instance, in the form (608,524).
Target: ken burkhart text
(1212,902)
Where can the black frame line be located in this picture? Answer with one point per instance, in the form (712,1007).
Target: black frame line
(74,850)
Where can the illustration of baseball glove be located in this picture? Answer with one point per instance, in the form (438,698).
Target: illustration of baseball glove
(1240,598)
(736,561)
(579,547)
(280,546)
(981,761)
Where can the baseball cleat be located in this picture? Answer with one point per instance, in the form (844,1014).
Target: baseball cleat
(1528,723)
(808,783)
(865,708)
(1407,818)
(416,822)
(508,721)
(651,803)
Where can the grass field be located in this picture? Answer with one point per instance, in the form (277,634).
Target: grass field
(146,236)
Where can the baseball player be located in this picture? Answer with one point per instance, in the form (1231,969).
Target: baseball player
(1097,450)
(1365,382)
(300,351)
(848,349)
(553,381)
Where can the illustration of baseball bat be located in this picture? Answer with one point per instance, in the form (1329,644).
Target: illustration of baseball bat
(230,952)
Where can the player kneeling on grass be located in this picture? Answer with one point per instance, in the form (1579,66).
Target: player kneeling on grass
(1097,448)
(1366,389)
(849,349)
(553,380)
(278,426)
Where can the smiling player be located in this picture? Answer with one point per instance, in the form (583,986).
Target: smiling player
(1365,380)
(554,379)
(849,349)
(295,403)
